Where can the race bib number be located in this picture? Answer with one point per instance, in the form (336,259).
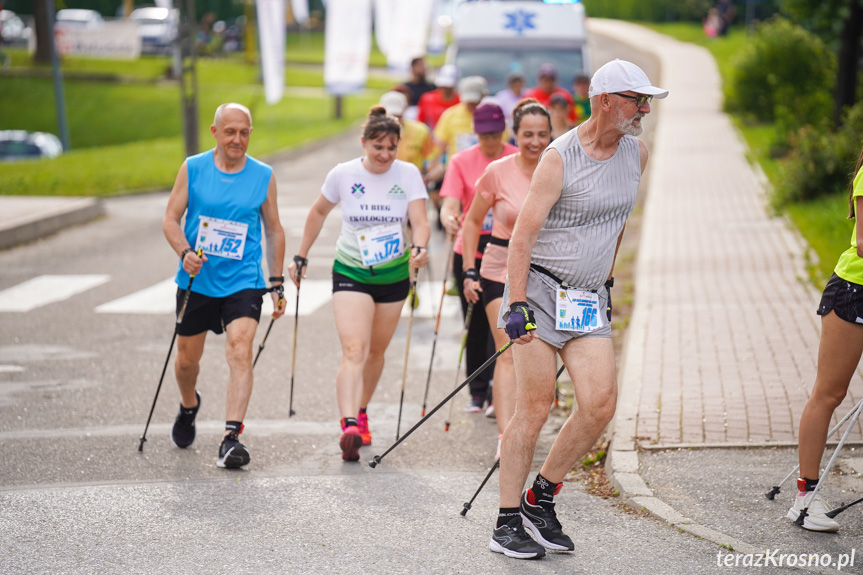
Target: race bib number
(221,238)
(381,244)
(578,310)
(488,222)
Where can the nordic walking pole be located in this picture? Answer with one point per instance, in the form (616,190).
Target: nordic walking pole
(300,266)
(412,295)
(377,458)
(809,498)
(467,505)
(170,349)
(437,324)
(266,335)
(460,356)
(481,485)
(775,491)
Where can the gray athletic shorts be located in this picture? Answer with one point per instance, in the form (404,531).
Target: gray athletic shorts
(542,299)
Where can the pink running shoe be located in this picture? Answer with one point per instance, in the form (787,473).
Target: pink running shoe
(350,443)
(363,426)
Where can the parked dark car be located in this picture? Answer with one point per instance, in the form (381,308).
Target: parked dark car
(23,145)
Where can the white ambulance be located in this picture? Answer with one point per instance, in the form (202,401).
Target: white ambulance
(492,38)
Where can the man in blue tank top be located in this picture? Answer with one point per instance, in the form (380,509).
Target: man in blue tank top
(226,196)
(556,300)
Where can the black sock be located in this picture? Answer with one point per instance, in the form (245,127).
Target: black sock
(349,421)
(805,484)
(363,410)
(506,514)
(234,426)
(543,490)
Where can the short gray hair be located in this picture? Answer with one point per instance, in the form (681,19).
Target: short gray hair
(232,106)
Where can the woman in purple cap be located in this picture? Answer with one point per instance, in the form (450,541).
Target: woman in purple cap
(501,190)
(457,192)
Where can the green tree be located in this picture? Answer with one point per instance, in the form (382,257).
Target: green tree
(840,24)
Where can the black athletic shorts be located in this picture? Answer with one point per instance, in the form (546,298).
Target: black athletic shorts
(385,293)
(214,313)
(844,298)
(491,290)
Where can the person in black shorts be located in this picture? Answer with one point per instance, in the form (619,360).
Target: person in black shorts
(225,196)
(374,264)
(839,353)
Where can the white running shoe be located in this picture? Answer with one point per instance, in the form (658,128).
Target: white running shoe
(816,516)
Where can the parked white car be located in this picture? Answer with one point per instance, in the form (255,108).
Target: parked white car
(157,28)
(13,30)
(78,17)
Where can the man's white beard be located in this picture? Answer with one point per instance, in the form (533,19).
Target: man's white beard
(624,125)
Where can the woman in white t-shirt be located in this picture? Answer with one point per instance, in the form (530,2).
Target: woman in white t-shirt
(373,266)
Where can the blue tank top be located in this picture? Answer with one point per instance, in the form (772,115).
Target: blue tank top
(235,198)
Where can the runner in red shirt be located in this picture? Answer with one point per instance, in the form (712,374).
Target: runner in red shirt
(548,87)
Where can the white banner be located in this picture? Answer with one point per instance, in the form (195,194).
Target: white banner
(408,31)
(348,39)
(437,36)
(271,28)
(113,40)
(300,10)
(384,15)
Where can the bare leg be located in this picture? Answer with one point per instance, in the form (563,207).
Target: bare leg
(187,365)
(838,355)
(504,370)
(534,375)
(590,363)
(238,351)
(354,312)
(384,325)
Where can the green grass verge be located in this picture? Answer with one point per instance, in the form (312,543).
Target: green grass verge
(821,222)
(126,133)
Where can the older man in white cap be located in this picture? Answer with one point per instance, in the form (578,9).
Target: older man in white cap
(556,301)
(415,144)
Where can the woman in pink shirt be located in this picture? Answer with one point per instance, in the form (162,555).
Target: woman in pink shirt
(457,192)
(502,188)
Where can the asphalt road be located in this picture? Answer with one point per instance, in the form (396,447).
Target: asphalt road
(76,385)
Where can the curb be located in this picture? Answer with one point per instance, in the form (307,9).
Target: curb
(39,221)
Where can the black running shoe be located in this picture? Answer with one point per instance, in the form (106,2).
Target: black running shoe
(542,522)
(183,432)
(513,541)
(232,453)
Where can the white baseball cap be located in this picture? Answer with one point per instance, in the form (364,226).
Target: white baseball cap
(472,89)
(620,76)
(395,103)
(446,77)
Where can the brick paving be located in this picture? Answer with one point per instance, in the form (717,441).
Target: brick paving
(722,308)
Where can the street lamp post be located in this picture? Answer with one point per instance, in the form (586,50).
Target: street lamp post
(58,81)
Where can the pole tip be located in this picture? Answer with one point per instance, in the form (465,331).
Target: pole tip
(292,413)
(374,462)
(446,427)
(423,414)
(141,444)
(465,510)
(771,495)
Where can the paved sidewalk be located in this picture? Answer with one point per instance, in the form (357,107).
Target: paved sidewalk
(722,346)
(25,219)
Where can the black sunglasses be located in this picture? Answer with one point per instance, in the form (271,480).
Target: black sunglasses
(640,101)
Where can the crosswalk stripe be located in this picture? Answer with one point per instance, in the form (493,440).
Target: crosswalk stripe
(47,289)
(160,299)
(156,299)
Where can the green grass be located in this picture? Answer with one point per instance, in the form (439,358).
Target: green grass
(125,127)
(821,222)
(152,164)
(824,225)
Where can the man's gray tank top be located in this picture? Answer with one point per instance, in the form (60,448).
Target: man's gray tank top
(578,239)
